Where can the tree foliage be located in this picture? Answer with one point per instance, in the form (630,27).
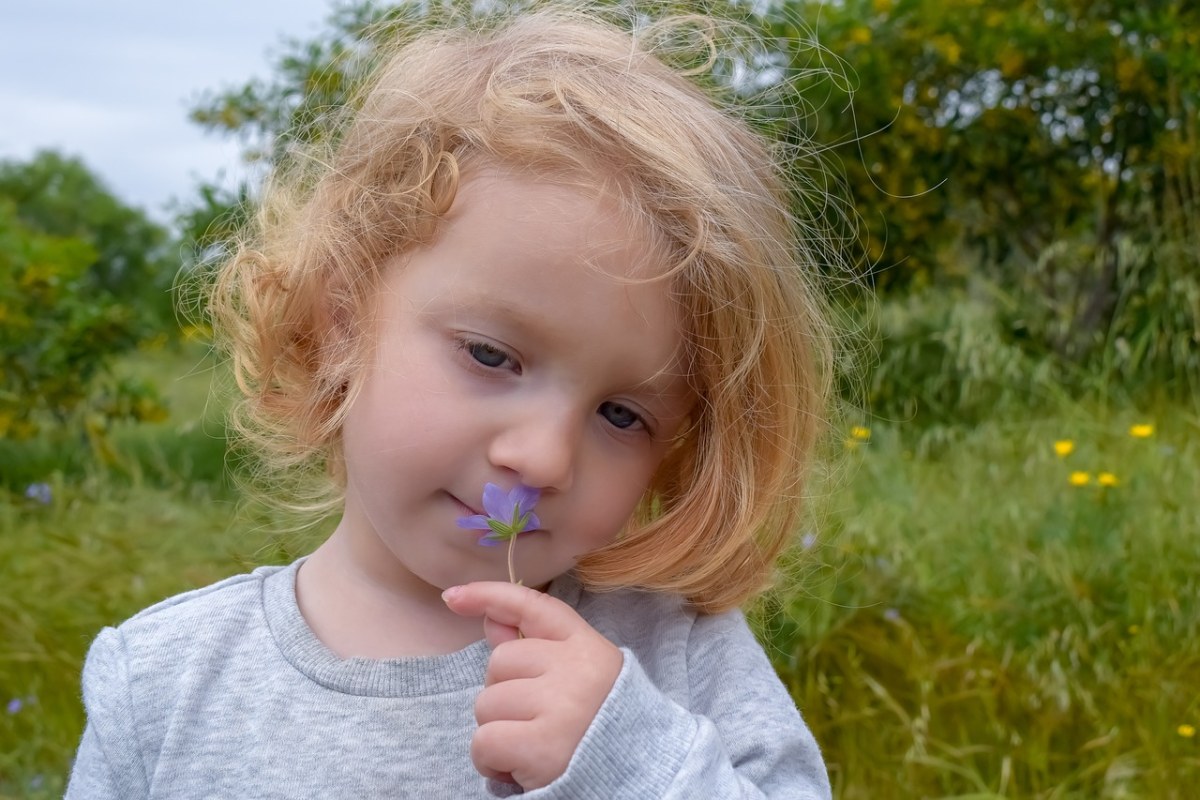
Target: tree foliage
(83,278)
(1050,148)
(131,263)
(1033,118)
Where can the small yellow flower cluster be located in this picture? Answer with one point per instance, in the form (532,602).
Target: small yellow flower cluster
(1186,731)
(1106,480)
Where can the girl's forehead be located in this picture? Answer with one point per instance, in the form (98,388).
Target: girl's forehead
(594,204)
(537,236)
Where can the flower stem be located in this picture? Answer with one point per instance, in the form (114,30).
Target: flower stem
(512,570)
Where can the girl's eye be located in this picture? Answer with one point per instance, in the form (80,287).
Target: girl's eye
(619,416)
(486,354)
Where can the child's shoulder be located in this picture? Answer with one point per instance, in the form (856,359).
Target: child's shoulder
(638,617)
(677,646)
(232,595)
(192,625)
(147,673)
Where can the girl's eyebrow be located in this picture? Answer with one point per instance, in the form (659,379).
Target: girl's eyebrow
(507,310)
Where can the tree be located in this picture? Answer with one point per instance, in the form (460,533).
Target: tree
(1049,147)
(83,278)
(1010,125)
(131,261)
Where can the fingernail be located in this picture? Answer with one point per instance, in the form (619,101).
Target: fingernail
(451,593)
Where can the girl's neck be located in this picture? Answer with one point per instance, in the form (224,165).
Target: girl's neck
(359,613)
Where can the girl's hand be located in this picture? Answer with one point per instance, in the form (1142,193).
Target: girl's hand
(542,691)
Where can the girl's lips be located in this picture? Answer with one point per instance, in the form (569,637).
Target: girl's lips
(466,509)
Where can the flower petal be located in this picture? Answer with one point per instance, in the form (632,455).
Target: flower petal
(475,522)
(524,497)
(496,502)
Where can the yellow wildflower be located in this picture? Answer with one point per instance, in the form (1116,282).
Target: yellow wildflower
(1080,479)
(1106,479)
(860,35)
(1064,447)
(1143,430)
(1133,630)
(1186,731)
(860,433)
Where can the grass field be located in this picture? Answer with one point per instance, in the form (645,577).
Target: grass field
(961,619)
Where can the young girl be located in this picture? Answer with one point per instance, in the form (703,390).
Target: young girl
(539,259)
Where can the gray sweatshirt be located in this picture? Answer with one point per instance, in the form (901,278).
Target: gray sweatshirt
(225,692)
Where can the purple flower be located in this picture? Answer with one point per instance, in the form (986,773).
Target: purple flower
(508,514)
(39,493)
(15,705)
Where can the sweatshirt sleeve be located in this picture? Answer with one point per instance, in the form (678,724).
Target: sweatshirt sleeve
(108,763)
(740,737)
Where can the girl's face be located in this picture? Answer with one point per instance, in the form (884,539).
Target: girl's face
(507,352)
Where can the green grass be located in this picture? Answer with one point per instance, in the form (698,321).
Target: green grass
(964,623)
(969,624)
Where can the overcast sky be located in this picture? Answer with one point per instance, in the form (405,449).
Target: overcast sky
(111,80)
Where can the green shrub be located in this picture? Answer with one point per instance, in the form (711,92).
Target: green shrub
(82,280)
(1124,316)
(944,359)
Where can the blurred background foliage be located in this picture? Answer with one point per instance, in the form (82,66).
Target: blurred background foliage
(83,279)
(1017,187)
(1038,160)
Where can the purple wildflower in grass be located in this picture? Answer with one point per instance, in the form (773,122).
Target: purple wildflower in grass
(15,705)
(507,515)
(39,493)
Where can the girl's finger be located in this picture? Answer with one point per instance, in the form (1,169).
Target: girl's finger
(496,748)
(518,659)
(535,614)
(516,701)
(497,633)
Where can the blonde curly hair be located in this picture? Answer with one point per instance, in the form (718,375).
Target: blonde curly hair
(555,93)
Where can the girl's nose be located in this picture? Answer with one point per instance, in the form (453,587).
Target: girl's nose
(540,447)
